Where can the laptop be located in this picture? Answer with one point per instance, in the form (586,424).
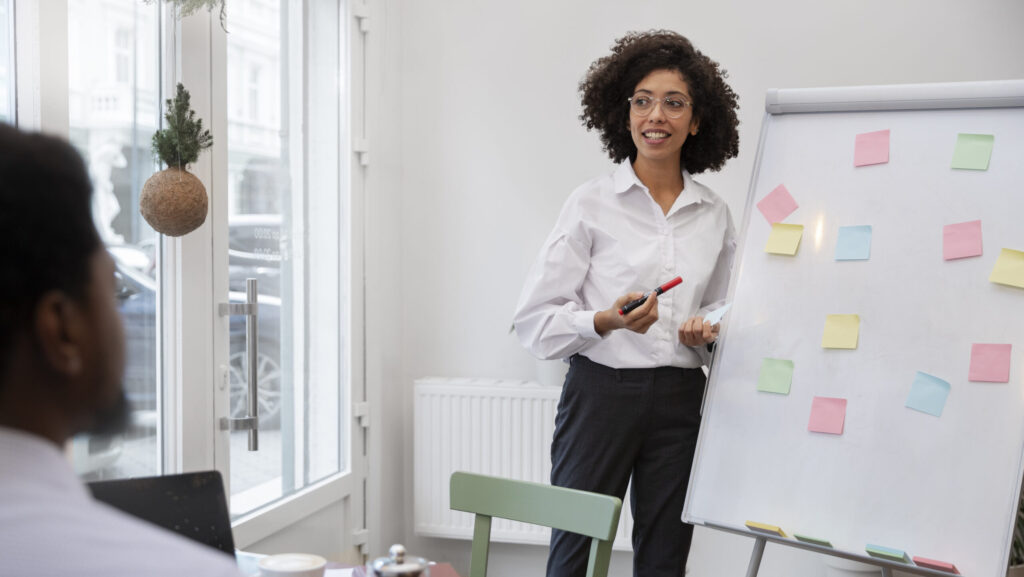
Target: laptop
(190,504)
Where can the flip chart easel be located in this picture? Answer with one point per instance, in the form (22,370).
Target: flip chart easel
(942,487)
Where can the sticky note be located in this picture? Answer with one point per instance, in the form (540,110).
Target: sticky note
(854,243)
(972,151)
(841,332)
(937,565)
(784,239)
(990,363)
(871,148)
(887,553)
(714,317)
(765,528)
(776,376)
(928,394)
(827,415)
(812,540)
(1009,269)
(777,205)
(961,240)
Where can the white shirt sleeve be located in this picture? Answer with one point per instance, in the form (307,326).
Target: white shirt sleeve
(550,320)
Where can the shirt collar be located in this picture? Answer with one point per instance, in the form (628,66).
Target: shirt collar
(625,179)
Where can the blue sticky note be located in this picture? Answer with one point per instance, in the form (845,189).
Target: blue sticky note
(928,394)
(854,243)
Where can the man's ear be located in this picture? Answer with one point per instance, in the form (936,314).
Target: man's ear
(58,328)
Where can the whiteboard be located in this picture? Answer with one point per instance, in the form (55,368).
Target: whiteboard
(937,487)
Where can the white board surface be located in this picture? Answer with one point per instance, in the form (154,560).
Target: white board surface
(938,487)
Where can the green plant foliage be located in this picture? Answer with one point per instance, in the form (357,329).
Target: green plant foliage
(190,7)
(184,138)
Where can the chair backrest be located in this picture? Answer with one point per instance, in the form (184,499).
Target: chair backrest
(590,514)
(191,504)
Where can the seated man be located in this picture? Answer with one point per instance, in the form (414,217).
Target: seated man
(61,364)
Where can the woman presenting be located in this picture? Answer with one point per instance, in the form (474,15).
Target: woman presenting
(630,405)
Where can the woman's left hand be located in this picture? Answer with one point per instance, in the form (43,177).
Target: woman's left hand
(694,332)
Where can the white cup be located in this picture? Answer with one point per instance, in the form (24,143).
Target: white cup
(293,565)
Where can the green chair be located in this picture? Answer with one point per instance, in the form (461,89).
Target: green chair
(590,514)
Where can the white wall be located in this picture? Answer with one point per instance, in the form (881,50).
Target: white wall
(476,144)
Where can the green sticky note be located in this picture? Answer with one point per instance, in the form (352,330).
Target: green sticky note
(973,151)
(812,540)
(776,376)
(887,553)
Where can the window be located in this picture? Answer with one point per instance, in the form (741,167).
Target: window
(113,112)
(6,62)
(275,92)
(123,52)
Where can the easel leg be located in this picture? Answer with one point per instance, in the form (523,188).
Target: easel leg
(755,557)
(886,572)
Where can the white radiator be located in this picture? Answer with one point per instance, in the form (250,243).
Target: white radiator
(490,427)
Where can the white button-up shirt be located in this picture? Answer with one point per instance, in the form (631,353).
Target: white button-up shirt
(610,239)
(50,526)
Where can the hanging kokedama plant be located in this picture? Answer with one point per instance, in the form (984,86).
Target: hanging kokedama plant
(173,201)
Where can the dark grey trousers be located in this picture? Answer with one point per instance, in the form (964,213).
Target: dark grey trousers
(613,423)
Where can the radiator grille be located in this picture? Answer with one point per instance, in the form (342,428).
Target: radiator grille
(490,427)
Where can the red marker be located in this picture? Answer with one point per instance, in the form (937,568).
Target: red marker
(633,304)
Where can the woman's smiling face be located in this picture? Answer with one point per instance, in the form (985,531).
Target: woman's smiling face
(658,137)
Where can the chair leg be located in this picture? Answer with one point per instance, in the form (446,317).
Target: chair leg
(481,546)
(600,558)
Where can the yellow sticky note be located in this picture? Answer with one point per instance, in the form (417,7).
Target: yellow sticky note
(841,332)
(1009,268)
(765,528)
(784,239)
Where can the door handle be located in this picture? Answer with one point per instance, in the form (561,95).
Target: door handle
(250,309)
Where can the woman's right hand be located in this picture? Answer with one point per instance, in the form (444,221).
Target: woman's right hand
(638,320)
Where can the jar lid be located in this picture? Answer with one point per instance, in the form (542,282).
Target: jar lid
(398,564)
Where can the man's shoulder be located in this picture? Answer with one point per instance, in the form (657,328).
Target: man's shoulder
(94,539)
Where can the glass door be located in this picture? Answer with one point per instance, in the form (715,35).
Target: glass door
(286,225)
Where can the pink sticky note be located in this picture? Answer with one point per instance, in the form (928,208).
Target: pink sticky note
(777,205)
(938,565)
(871,148)
(990,363)
(827,415)
(961,240)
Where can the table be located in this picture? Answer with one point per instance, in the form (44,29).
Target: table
(248,564)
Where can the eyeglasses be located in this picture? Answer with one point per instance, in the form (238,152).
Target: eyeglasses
(672,106)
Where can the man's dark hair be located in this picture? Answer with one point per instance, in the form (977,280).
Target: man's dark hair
(611,80)
(48,235)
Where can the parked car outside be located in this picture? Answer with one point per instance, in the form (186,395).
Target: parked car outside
(253,253)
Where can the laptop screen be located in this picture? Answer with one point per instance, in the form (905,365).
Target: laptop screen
(190,504)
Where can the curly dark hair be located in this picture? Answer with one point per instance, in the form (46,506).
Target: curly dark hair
(612,79)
